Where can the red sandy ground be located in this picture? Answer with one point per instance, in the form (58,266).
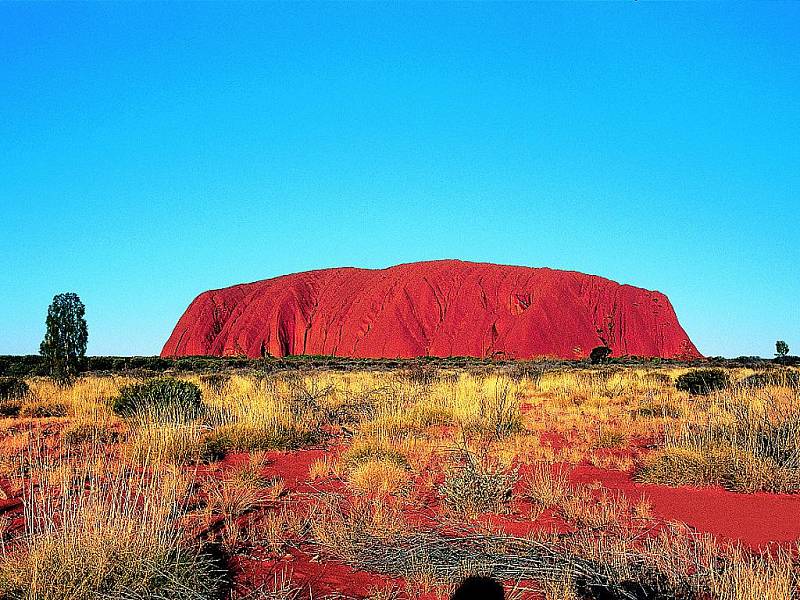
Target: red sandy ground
(437,308)
(755,520)
(752,519)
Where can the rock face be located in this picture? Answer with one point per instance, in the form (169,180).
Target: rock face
(437,308)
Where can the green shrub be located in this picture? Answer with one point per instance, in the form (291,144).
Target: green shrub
(257,436)
(732,468)
(784,378)
(43,408)
(216,382)
(599,354)
(12,388)
(702,381)
(22,366)
(165,396)
(100,363)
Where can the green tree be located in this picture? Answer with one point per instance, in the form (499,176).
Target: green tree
(781,348)
(64,343)
(599,354)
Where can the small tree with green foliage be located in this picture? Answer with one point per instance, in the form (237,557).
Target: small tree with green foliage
(781,348)
(599,354)
(64,343)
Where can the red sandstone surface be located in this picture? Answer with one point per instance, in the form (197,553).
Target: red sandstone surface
(437,308)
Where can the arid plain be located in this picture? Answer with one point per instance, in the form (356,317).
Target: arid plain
(563,481)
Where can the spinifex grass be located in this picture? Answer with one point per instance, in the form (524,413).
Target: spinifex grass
(96,528)
(748,441)
(105,497)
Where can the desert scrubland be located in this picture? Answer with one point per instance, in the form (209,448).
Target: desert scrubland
(567,482)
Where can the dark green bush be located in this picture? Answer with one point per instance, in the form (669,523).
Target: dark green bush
(100,363)
(12,388)
(787,361)
(149,363)
(216,382)
(40,409)
(599,354)
(766,378)
(702,381)
(180,398)
(420,374)
(22,366)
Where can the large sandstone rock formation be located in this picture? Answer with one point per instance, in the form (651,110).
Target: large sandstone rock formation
(437,308)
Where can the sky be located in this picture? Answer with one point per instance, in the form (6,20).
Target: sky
(153,151)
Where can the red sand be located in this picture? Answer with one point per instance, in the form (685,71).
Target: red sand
(754,519)
(437,308)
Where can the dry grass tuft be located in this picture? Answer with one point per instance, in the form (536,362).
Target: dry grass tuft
(114,536)
(379,476)
(546,485)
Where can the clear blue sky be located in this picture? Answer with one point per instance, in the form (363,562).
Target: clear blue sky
(152,151)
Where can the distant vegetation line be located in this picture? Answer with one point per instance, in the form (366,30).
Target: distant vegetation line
(33,365)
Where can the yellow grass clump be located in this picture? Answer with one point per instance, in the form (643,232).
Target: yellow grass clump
(97,531)
(379,475)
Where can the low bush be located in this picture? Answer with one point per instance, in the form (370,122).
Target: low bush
(421,374)
(12,388)
(92,543)
(149,363)
(498,413)
(100,363)
(702,381)
(256,436)
(106,567)
(474,487)
(675,466)
(732,468)
(596,510)
(166,397)
(525,371)
(43,408)
(612,437)
(782,378)
(81,432)
(599,354)
(10,408)
(215,382)
(787,361)
(379,476)
(664,408)
(366,450)
(657,378)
